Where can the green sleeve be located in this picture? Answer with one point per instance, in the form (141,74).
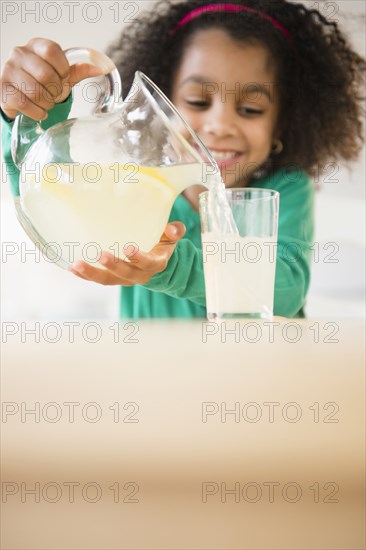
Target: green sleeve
(183,277)
(295,240)
(59,113)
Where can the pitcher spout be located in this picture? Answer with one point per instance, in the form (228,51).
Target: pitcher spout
(162,136)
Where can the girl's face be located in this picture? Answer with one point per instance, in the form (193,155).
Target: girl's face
(225,89)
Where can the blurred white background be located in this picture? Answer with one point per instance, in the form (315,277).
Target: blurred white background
(35,289)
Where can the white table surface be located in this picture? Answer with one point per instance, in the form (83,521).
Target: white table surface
(164,432)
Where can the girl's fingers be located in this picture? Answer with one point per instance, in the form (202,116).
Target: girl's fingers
(173,232)
(132,270)
(77,73)
(24,93)
(38,75)
(56,69)
(156,260)
(82,70)
(52,53)
(44,74)
(16,101)
(77,273)
(34,91)
(96,275)
(153,261)
(139,266)
(138,262)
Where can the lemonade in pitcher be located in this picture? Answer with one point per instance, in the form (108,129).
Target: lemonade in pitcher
(82,209)
(100,182)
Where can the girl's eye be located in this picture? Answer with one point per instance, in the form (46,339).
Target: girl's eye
(247,111)
(244,111)
(197,102)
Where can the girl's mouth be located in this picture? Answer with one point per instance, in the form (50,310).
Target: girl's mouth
(223,157)
(226,158)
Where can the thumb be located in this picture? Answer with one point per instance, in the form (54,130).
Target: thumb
(82,70)
(77,73)
(173,232)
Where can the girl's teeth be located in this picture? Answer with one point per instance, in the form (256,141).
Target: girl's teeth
(220,155)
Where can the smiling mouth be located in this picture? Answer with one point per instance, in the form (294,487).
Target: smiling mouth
(224,155)
(221,156)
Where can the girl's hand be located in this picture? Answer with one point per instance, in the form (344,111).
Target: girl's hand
(38,75)
(141,267)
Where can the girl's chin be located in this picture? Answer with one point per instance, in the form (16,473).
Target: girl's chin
(235,182)
(238,177)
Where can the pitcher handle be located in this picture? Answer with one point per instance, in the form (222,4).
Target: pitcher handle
(26,130)
(112,95)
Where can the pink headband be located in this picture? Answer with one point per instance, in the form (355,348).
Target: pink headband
(231,8)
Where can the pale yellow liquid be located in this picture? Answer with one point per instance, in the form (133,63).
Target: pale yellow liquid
(127,204)
(239,274)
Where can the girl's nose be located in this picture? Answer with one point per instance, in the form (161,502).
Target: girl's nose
(220,121)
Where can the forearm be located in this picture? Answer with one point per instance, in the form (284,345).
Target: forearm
(11,170)
(183,277)
(292,278)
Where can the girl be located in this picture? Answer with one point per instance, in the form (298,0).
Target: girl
(272,89)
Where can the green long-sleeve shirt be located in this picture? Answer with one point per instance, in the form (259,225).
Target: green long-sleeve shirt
(179,290)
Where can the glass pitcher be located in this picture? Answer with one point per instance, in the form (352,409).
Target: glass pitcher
(107,180)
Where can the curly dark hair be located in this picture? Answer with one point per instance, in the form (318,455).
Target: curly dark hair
(319,76)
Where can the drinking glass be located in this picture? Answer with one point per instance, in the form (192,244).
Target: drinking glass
(239,270)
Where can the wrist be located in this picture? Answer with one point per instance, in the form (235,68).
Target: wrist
(10,119)
(64,100)
(6,117)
